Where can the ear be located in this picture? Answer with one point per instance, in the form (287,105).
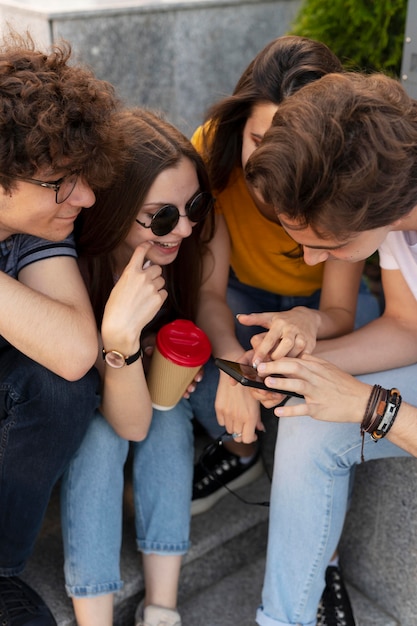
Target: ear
(397,225)
(407,222)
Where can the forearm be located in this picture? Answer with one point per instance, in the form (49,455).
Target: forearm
(217,320)
(404,430)
(339,297)
(383,344)
(61,336)
(125,401)
(335,322)
(133,302)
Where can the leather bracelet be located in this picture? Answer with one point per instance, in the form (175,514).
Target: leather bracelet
(378,412)
(371,416)
(372,405)
(391,410)
(381,410)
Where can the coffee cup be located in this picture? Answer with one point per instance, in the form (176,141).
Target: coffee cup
(181,349)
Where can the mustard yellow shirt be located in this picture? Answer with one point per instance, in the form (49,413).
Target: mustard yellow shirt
(259,246)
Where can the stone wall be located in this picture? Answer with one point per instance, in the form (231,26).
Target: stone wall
(178,57)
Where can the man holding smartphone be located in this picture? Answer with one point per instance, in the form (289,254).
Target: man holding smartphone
(56,145)
(339,168)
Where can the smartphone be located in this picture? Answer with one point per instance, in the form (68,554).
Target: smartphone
(247,375)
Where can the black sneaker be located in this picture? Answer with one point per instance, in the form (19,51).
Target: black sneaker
(21,606)
(218,471)
(335,608)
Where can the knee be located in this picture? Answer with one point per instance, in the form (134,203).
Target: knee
(102,444)
(305,441)
(62,409)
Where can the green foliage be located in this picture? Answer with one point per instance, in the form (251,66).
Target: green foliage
(367,35)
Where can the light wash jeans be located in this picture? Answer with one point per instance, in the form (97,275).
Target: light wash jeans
(92,493)
(309,497)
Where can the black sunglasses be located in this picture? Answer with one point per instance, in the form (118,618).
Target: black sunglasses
(167,217)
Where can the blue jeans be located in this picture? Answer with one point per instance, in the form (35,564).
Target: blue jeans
(309,497)
(43,419)
(92,494)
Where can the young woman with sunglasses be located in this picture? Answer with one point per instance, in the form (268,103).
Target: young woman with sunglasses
(141,254)
(257,266)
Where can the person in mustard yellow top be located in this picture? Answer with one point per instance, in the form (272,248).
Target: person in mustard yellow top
(262,255)
(255,266)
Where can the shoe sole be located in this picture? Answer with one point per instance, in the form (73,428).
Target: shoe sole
(201,505)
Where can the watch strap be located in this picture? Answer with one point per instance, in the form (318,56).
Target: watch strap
(128,359)
(131,359)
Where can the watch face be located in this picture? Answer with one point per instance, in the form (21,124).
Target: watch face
(115,359)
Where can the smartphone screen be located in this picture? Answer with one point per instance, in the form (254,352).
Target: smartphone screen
(247,375)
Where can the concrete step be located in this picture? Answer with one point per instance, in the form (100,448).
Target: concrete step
(228,537)
(222,574)
(234,599)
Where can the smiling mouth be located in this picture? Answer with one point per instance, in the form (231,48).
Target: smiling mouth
(69,217)
(166,245)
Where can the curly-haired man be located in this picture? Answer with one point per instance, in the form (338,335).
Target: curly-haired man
(56,148)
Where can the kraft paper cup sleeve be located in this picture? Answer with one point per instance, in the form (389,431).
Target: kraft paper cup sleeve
(168,381)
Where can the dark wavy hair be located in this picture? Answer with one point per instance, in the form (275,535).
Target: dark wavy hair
(151,146)
(341,155)
(54,115)
(281,68)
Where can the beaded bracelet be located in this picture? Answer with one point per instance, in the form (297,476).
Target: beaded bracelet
(380,413)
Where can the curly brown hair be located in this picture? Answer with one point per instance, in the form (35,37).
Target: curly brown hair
(54,116)
(341,155)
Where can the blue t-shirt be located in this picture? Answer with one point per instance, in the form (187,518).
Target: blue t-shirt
(18,251)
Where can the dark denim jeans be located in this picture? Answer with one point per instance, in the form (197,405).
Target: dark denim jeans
(43,419)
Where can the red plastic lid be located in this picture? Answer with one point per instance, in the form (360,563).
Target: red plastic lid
(183,343)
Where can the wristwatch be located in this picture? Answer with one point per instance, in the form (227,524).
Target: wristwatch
(117,359)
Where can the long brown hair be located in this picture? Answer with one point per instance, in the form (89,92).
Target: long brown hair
(152,145)
(280,69)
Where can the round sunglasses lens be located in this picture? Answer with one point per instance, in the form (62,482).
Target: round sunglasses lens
(165,220)
(200,207)
(66,188)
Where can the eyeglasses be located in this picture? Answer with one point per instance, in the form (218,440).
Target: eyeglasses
(63,187)
(167,217)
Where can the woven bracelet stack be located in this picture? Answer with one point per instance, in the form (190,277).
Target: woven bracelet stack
(380,413)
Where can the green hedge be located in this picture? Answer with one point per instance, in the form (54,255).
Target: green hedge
(366,35)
